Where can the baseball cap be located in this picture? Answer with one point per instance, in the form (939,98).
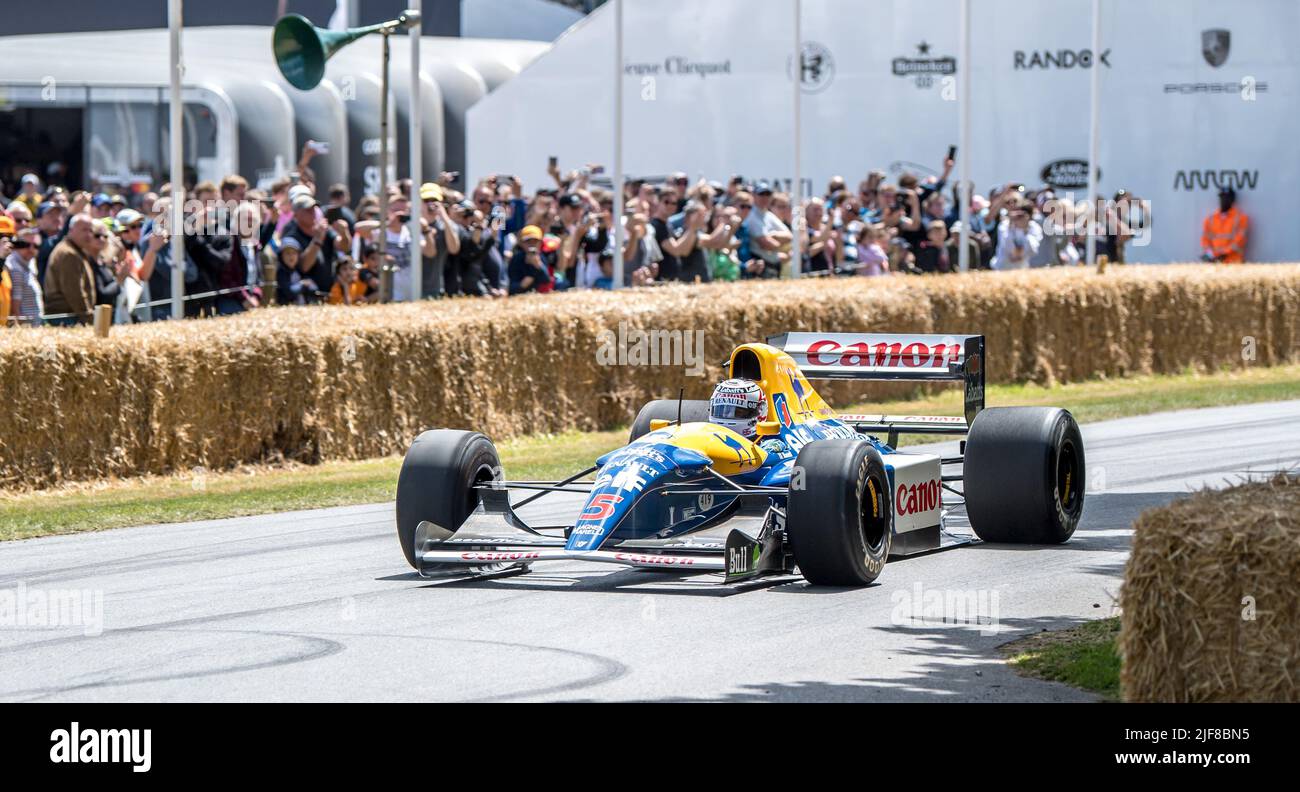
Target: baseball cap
(569,200)
(530,232)
(303,201)
(762,188)
(45,206)
(290,242)
(128,217)
(117,199)
(31,178)
(430,192)
(7,225)
(101,199)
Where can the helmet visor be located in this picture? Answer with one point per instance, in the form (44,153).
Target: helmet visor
(731,412)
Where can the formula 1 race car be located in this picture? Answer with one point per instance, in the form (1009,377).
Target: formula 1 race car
(835,501)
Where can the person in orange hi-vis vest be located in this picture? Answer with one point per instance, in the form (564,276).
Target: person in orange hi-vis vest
(7,229)
(1223,236)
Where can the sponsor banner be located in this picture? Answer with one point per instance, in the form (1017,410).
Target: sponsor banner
(1196,95)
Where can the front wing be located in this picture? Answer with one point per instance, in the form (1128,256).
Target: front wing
(748,543)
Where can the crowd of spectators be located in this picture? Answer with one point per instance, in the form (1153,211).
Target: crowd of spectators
(293,244)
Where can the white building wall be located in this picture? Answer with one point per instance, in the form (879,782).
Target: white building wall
(1174,126)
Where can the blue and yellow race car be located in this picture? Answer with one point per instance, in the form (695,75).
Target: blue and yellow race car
(825,495)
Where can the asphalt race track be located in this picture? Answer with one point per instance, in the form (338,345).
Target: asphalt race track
(321,605)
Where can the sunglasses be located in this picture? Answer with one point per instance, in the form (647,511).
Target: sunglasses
(744,206)
(100,236)
(23,245)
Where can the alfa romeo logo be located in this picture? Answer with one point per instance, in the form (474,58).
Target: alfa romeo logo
(1215,44)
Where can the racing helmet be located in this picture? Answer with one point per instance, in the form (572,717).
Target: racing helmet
(738,404)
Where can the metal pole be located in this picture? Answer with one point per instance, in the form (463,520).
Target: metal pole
(618,144)
(796,199)
(963,104)
(383,165)
(417,158)
(176,126)
(1094,133)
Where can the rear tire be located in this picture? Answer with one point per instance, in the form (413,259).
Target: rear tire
(1024,475)
(840,523)
(666,410)
(437,479)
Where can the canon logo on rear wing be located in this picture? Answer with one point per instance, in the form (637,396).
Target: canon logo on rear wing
(874,356)
(871,356)
(882,355)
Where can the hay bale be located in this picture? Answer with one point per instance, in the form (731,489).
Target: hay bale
(1210,611)
(318,383)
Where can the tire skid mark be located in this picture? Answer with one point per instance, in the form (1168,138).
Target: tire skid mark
(169,558)
(315,648)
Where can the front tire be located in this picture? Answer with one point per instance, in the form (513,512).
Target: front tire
(1024,475)
(840,522)
(436,483)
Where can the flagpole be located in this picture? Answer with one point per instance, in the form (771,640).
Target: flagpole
(1094,134)
(416,147)
(176,126)
(796,199)
(618,144)
(964,157)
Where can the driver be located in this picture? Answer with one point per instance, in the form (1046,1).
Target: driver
(739,405)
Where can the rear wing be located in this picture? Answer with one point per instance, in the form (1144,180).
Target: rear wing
(869,356)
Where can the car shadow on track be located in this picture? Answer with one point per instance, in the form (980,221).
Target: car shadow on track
(623,581)
(1106,526)
(962,664)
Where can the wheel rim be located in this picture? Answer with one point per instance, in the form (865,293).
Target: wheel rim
(484,474)
(1069,489)
(872,520)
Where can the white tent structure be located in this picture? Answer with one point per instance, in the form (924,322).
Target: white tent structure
(240,114)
